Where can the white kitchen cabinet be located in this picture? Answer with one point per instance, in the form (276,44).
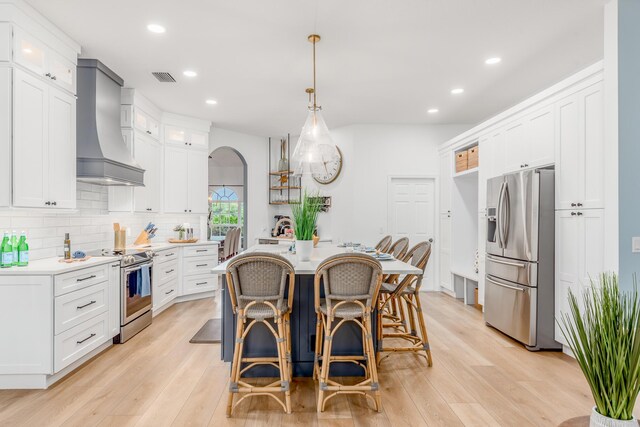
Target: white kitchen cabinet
(517,150)
(166,278)
(491,150)
(185,180)
(5,136)
(29,52)
(446,172)
(530,141)
(580,156)
(44,144)
(62,149)
(176,179)
(30,134)
(445,252)
(197,263)
(198,185)
(540,128)
(147,153)
(145,123)
(114,299)
(34,55)
(579,255)
(177,135)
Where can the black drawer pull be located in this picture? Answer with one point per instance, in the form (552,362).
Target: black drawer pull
(201,265)
(87,338)
(93,276)
(171,254)
(167,293)
(201,283)
(170,271)
(202,250)
(85,305)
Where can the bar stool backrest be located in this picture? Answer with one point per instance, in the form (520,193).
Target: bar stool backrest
(348,277)
(418,256)
(236,244)
(261,277)
(228,242)
(399,248)
(383,245)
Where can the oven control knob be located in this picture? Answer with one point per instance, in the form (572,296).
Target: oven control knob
(128,259)
(150,254)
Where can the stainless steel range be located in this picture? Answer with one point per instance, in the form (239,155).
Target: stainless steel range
(136,284)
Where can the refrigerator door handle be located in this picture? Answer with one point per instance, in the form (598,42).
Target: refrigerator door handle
(512,264)
(507,215)
(499,217)
(504,285)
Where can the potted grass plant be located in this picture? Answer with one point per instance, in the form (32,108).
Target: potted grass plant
(305,217)
(604,336)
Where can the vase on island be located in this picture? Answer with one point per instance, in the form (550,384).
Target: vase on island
(303,249)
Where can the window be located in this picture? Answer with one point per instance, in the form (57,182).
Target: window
(226,211)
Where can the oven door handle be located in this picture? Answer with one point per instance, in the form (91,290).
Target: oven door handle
(137,267)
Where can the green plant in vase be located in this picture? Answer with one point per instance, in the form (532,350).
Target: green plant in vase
(305,217)
(180,230)
(604,335)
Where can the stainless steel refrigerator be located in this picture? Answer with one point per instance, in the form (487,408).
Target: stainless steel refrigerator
(519,281)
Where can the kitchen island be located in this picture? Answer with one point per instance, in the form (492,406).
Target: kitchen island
(260,342)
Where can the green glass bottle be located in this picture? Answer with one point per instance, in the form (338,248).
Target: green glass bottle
(6,252)
(23,250)
(14,247)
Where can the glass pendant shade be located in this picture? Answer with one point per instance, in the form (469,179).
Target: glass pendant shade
(315,146)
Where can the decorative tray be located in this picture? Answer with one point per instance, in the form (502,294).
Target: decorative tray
(183,241)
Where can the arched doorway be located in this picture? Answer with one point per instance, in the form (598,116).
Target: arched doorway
(227,194)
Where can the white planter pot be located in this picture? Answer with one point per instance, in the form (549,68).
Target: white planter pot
(303,249)
(598,420)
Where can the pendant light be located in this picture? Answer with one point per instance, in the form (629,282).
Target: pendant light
(315,146)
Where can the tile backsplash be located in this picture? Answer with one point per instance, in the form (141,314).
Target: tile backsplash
(90,227)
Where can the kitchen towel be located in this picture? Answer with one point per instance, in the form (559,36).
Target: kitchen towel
(145,289)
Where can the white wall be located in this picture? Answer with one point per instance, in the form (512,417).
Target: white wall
(254,149)
(371,154)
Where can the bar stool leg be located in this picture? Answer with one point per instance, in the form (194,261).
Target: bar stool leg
(371,361)
(326,362)
(237,361)
(423,330)
(317,349)
(284,368)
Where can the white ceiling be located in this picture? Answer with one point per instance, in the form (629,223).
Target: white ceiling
(378,62)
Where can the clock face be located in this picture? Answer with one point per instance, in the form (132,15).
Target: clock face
(327,171)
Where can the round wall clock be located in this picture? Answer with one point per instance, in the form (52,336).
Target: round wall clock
(327,171)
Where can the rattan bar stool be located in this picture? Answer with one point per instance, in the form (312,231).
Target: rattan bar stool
(351,285)
(406,292)
(383,245)
(394,311)
(257,283)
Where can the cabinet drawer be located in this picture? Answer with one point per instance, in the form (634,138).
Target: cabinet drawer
(165,256)
(195,284)
(166,273)
(80,279)
(74,343)
(76,307)
(198,265)
(165,294)
(200,251)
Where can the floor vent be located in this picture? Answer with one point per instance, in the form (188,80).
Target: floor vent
(163,77)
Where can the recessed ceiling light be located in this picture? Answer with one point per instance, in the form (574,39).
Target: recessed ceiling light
(493,61)
(156,28)
(432,110)
(211,101)
(190,73)
(27,50)
(457,91)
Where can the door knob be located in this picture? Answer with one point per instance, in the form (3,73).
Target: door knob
(47,203)
(573,214)
(431,240)
(573,205)
(54,203)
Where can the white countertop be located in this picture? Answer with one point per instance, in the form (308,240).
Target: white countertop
(51,266)
(319,254)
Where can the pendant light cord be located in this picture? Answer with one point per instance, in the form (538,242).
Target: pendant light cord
(315,105)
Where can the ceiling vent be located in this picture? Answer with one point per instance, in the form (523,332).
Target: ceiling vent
(163,77)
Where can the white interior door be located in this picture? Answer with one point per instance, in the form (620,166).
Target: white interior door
(411,214)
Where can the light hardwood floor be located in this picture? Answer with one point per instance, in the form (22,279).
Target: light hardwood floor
(479,377)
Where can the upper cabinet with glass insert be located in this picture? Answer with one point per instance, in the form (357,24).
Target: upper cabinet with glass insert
(36,56)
